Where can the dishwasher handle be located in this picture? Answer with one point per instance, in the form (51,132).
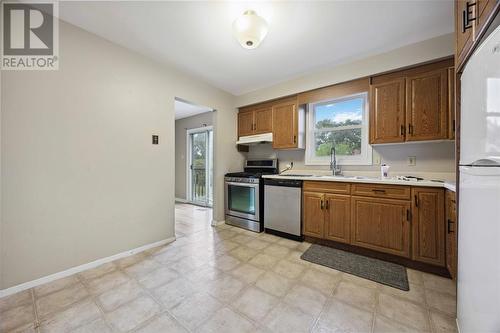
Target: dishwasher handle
(283,182)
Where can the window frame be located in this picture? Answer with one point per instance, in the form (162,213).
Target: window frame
(366,156)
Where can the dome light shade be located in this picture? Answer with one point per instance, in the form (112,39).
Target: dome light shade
(250,29)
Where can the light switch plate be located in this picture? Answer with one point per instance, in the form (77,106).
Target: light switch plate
(412,160)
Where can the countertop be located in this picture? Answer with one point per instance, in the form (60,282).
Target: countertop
(362,179)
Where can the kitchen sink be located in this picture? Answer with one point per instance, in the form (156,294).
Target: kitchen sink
(347,177)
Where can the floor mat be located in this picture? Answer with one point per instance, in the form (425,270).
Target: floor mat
(380,271)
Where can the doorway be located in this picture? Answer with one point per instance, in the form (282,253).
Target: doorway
(200,166)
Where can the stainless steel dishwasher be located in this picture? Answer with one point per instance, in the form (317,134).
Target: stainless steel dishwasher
(283,207)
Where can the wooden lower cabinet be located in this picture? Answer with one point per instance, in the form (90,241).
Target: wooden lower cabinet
(338,217)
(400,220)
(428,225)
(381,224)
(314,214)
(451,233)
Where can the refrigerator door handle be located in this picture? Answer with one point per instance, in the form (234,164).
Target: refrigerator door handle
(485,162)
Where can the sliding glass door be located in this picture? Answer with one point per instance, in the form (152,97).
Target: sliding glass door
(200,166)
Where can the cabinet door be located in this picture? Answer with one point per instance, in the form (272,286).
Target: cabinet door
(263,120)
(285,125)
(426,106)
(483,11)
(245,123)
(314,215)
(428,226)
(387,111)
(463,39)
(381,224)
(338,217)
(451,103)
(451,234)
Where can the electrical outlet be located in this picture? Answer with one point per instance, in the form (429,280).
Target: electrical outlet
(412,160)
(376,159)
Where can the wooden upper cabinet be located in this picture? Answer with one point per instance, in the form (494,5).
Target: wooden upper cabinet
(314,216)
(428,225)
(255,121)
(381,224)
(463,38)
(451,103)
(263,120)
(451,233)
(483,11)
(426,106)
(338,217)
(285,128)
(245,123)
(387,111)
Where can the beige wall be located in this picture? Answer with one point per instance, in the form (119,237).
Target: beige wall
(181,127)
(80,177)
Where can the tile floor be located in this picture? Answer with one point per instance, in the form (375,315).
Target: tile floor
(226,279)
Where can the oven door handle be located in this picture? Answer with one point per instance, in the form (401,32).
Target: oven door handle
(242,184)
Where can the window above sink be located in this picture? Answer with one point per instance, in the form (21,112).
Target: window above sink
(341,123)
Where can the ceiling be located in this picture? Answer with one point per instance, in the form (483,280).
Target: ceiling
(185,109)
(303,37)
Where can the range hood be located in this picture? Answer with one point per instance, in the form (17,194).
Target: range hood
(255,139)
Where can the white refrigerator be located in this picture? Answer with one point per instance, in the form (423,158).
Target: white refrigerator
(478,278)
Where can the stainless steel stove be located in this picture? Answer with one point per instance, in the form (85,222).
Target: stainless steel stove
(244,194)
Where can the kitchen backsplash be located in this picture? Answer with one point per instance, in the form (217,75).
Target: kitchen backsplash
(432,157)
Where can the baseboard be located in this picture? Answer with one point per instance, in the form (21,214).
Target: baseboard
(78,269)
(181,200)
(217,223)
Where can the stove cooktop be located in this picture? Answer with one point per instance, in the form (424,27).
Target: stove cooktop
(248,174)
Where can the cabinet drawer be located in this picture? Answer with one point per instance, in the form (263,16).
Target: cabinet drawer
(381,191)
(327,187)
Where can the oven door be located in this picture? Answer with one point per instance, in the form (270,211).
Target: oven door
(242,200)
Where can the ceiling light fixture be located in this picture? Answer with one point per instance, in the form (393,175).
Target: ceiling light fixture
(250,29)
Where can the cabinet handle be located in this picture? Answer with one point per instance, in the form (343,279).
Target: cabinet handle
(410,129)
(294,139)
(416,201)
(402,130)
(378,190)
(321,204)
(467,16)
(326,202)
(408,215)
(449,226)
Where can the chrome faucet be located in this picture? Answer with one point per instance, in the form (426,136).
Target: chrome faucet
(333,163)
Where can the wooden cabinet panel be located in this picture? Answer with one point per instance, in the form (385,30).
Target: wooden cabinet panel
(327,187)
(381,191)
(451,103)
(285,125)
(483,11)
(314,215)
(426,106)
(263,120)
(245,123)
(463,39)
(338,217)
(381,224)
(387,111)
(451,234)
(428,226)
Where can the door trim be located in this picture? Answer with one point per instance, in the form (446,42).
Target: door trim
(188,161)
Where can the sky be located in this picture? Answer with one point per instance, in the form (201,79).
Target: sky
(340,111)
